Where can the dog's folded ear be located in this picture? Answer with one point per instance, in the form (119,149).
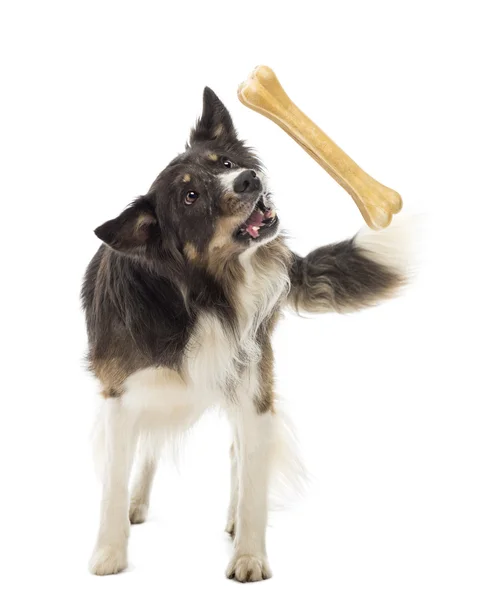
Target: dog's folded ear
(133,230)
(215,124)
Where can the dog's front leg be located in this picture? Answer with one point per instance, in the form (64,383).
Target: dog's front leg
(110,553)
(255,439)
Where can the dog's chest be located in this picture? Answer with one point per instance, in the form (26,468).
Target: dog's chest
(218,367)
(218,355)
(220,364)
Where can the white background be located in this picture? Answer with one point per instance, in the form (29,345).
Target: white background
(397,408)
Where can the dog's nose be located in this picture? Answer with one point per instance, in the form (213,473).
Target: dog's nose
(247,181)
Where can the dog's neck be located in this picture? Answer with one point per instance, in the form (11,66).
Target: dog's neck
(265,283)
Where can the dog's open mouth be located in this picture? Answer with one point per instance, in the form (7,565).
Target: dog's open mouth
(262,220)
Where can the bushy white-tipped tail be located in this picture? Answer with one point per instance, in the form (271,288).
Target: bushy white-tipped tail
(356,273)
(395,247)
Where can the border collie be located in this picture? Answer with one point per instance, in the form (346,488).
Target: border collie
(181,301)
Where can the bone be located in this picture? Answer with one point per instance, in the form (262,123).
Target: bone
(263,93)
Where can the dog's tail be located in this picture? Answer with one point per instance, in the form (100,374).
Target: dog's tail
(357,273)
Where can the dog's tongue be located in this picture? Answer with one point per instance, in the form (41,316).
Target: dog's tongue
(254,222)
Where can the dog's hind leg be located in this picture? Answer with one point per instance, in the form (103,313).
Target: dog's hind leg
(232,509)
(119,438)
(141,488)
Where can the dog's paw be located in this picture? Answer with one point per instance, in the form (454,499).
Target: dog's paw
(248,567)
(138,513)
(108,560)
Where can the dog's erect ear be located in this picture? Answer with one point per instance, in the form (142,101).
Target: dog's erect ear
(131,231)
(215,124)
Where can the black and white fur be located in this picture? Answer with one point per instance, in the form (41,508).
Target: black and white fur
(181,300)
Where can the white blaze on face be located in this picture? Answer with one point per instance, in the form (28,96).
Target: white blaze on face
(228,179)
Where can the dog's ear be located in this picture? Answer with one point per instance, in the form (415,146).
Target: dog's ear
(133,230)
(215,124)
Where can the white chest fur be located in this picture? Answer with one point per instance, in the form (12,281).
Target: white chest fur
(217,357)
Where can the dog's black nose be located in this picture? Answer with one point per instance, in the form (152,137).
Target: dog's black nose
(247,181)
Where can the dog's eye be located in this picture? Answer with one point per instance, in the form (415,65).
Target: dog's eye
(191,196)
(227,163)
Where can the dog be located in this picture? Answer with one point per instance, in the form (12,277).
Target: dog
(181,300)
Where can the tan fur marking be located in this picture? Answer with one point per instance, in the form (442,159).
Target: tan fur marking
(111,374)
(224,232)
(187,178)
(111,393)
(144,220)
(190,251)
(222,254)
(220,258)
(213,157)
(218,131)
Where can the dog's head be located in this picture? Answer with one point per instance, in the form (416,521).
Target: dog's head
(209,204)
